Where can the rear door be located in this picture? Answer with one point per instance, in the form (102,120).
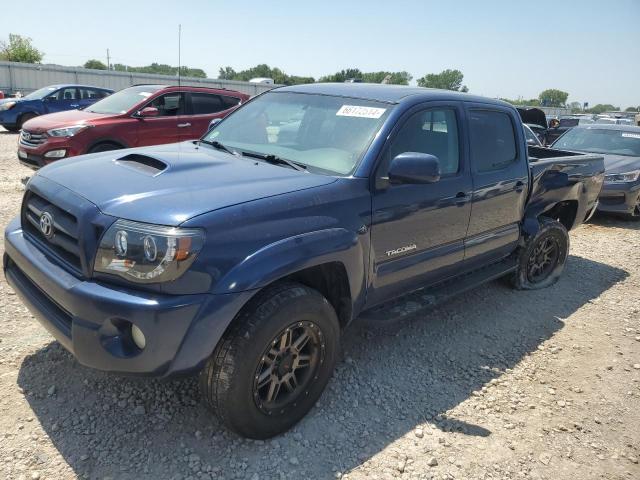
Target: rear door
(89,96)
(418,231)
(500,174)
(205,107)
(170,126)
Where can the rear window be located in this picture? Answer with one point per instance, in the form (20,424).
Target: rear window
(493,143)
(203,103)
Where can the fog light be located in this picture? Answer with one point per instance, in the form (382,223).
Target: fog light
(55,153)
(138,337)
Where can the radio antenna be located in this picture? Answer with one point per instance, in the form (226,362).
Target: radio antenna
(179,47)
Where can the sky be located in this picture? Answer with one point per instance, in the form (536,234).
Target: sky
(511,49)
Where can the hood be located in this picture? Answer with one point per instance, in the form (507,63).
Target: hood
(620,163)
(67,118)
(533,116)
(168,184)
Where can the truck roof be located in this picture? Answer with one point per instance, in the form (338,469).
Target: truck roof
(384,93)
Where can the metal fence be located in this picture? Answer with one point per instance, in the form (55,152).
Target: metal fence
(27,77)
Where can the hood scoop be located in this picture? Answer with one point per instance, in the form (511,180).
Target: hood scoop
(143,164)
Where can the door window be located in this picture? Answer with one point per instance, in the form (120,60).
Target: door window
(65,94)
(169,105)
(204,103)
(90,93)
(493,143)
(430,131)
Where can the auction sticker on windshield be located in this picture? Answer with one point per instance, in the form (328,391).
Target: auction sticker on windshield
(362,112)
(631,135)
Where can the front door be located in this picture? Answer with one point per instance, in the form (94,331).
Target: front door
(170,126)
(418,230)
(64,99)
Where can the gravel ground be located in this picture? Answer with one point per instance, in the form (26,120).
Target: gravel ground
(495,384)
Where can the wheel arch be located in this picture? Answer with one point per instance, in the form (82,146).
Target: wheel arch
(104,140)
(331,261)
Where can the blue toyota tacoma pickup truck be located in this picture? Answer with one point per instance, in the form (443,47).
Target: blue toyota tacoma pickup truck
(244,255)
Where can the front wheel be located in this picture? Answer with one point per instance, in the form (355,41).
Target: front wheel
(542,259)
(273,364)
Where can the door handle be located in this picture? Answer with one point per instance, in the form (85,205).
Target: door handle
(182,125)
(461,198)
(519,186)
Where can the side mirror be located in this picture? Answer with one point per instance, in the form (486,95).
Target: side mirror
(213,123)
(148,112)
(414,167)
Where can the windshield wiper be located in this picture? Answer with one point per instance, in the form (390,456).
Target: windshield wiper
(219,146)
(276,160)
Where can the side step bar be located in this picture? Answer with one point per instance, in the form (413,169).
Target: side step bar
(426,298)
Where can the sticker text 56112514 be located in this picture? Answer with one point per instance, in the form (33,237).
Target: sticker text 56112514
(362,112)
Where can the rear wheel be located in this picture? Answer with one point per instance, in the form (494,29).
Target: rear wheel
(104,147)
(542,260)
(11,128)
(25,118)
(273,364)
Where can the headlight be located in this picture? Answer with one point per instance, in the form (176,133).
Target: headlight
(7,105)
(622,177)
(146,253)
(66,131)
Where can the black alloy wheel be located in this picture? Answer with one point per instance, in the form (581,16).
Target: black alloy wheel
(287,367)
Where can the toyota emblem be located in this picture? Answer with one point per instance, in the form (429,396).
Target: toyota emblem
(46,224)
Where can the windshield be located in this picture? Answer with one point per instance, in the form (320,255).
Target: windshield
(40,93)
(325,133)
(615,142)
(124,100)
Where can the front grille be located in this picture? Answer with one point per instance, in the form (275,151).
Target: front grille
(63,242)
(30,139)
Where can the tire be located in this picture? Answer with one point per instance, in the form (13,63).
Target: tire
(25,118)
(541,261)
(244,359)
(104,147)
(11,129)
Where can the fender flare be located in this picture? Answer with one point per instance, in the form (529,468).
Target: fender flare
(544,203)
(290,255)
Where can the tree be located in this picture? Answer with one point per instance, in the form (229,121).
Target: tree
(553,97)
(633,109)
(575,107)
(263,71)
(226,73)
(342,75)
(162,69)
(20,49)
(446,80)
(601,108)
(95,64)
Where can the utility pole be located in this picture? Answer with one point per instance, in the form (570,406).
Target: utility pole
(179,39)
(108,60)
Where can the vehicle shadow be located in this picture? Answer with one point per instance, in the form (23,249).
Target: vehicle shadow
(391,379)
(608,220)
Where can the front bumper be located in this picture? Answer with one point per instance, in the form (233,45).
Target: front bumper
(34,156)
(89,318)
(619,198)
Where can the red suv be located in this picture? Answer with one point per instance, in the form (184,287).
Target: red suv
(134,117)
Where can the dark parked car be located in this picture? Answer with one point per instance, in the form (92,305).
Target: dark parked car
(620,145)
(244,256)
(14,112)
(536,120)
(134,117)
(563,125)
